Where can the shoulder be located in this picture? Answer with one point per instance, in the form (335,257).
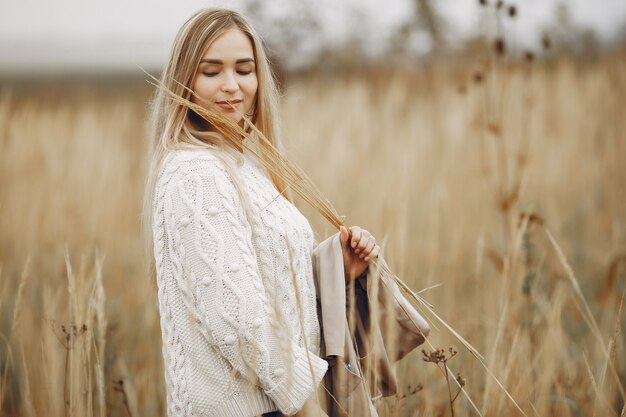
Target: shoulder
(179,164)
(188,161)
(184,172)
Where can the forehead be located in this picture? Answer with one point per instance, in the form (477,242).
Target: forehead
(232,44)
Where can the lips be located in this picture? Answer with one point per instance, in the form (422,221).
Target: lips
(228,104)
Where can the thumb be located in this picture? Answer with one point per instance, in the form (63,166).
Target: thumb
(343,235)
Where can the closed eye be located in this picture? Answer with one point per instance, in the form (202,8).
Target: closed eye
(213,74)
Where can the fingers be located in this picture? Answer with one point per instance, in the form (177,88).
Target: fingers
(371,243)
(364,240)
(373,254)
(363,243)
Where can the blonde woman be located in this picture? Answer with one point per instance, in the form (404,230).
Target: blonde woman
(229,247)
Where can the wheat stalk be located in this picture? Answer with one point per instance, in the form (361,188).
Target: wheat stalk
(586,311)
(20,295)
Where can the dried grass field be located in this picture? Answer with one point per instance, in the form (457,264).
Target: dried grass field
(505,183)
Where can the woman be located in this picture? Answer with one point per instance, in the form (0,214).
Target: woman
(232,254)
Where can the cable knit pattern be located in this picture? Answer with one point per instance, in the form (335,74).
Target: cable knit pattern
(232,340)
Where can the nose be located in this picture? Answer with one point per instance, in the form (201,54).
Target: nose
(230,83)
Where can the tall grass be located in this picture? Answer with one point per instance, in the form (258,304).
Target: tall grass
(462,174)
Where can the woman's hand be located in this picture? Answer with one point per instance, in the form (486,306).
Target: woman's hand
(357,251)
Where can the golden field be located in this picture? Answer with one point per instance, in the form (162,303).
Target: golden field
(503,181)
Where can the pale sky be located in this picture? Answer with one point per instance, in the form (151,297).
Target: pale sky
(40,36)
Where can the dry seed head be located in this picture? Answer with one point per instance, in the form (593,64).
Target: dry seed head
(494,129)
(533,218)
(483,2)
(617,265)
(118,385)
(507,200)
(495,258)
(512,11)
(499,46)
(71,332)
(435,356)
(417,388)
(546,41)
(499,4)
(529,56)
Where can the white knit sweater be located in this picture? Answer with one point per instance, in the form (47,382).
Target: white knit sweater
(233,343)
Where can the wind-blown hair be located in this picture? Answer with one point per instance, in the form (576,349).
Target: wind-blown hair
(174,126)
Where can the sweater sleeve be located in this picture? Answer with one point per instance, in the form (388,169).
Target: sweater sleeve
(210,243)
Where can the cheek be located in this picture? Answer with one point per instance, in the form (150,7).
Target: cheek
(204,87)
(250,87)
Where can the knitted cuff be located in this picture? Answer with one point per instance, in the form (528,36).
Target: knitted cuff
(296,387)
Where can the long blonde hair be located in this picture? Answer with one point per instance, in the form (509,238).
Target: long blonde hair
(175,127)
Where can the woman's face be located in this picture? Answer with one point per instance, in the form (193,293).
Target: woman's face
(227,75)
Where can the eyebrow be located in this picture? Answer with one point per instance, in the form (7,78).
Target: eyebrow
(220,62)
